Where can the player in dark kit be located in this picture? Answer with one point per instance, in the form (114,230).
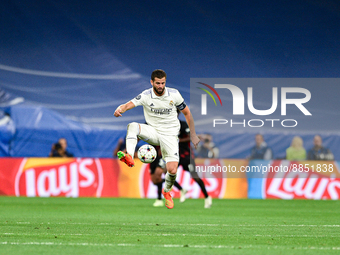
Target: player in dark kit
(187,160)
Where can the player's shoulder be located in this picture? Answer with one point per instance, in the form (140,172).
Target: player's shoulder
(172,90)
(144,94)
(147,92)
(174,93)
(141,96)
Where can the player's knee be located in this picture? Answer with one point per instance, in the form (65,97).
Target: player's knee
(172,169)
(152,178)
(133,127)
(171,166)
(158,180)
(155,179)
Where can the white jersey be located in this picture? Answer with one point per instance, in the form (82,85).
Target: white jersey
(160,111)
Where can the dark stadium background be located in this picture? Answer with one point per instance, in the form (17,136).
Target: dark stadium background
(41,41)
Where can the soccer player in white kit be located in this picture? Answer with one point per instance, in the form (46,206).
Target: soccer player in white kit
(162,128)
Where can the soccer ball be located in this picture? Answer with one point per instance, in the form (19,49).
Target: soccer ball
(147,153)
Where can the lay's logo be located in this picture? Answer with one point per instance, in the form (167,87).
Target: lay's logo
(70,177)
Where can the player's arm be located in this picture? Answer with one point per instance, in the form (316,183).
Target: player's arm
(123,108)
(189,119)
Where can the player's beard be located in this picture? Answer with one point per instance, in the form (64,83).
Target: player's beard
(158,92)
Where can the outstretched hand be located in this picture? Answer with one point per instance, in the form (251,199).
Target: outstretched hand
(195,140)
(123,108)
(118,112)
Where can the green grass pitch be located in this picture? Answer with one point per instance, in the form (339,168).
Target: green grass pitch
(133,226)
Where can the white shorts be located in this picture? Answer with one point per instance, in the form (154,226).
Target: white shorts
(168,143)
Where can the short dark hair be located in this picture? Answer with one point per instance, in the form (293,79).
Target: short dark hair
(158,73)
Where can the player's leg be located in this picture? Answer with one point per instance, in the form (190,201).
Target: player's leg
(148,134)
(156,179)
(202,186)
(159,190)
(133,130)
(170,178)
(169,148)
(182,191)
(208,199)
(156,170)
(178,186)
(171,174)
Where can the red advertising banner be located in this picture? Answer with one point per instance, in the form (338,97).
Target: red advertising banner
(217,184)
(304,180)
(97,177)
(67,177)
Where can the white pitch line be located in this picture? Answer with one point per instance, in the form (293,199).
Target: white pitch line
(116,234)
(184,235)
(188,224)
(312,236)
(175,246)
(222,225)
(43,234)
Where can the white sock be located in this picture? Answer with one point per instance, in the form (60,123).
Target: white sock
(131,138)
(169,181)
